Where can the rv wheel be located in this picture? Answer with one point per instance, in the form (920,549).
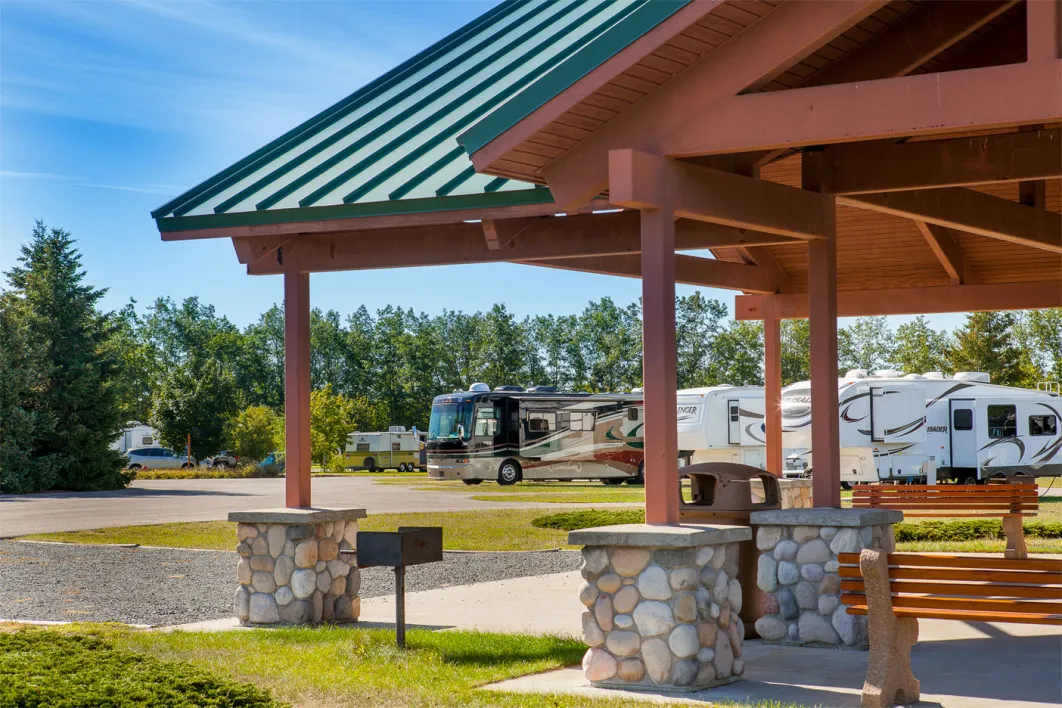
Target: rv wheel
(134,468)
(612,480)
(509,473)
(472,482)
(402,467)
(640,477)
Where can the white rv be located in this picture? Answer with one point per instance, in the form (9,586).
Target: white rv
(907,428)
(136,435)
(722,424)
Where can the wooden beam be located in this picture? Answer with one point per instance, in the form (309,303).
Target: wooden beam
(946,249)
(531,239)
(499,233)
(1043,20)
(911,301)
(970,211)
(762,257)
(918,36)
(925,104)
(773,44)
(689,270)
(887,166)
(641,180)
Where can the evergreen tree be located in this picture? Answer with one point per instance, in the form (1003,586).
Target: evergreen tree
(796,351)
(985,344)
(1045,327)
(71,364)
(866,344)
(698,321)
(737,355)
(919,348)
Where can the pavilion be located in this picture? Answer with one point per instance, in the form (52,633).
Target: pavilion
(862,157)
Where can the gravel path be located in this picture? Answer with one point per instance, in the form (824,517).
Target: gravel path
(163,586)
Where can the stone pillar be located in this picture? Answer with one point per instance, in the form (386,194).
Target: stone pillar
(663,605)
(795,493)
(797,571)
(297,566)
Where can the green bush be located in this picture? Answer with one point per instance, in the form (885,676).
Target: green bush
(966,530)
(40,668)
(588,518)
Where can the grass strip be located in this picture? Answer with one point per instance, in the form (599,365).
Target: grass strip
(59,669)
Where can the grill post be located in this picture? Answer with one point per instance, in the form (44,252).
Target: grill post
(400,606)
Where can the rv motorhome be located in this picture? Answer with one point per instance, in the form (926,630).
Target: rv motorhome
(396,449)
(908,428)
(136,435)
(722,424)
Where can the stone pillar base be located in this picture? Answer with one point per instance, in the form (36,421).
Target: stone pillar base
(795,493)
(664,604)
(293,566)
(797,572)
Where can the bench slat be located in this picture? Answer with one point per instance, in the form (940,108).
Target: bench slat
(953,561)
(942,488)
(964,575)
(964,603)
(968,616)
(1028,592)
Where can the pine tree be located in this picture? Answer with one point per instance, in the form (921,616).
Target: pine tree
(985,344)
(71,364)
(920,348)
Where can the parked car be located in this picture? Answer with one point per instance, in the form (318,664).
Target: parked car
(156,458)
(225,458)
(272,465)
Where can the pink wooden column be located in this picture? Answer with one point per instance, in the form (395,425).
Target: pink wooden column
(772,380)
(658,366)
(296,385)
(1043,30)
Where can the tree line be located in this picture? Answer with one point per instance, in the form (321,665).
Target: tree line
(75,375)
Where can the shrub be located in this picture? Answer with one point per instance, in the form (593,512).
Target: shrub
(588,518)
(46,668)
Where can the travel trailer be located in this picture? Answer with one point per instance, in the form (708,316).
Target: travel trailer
(136,435)
(929,427)
(510,434)
(722,424)
(396,449)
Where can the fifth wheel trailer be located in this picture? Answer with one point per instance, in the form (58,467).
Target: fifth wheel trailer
(906,428)
(722,424)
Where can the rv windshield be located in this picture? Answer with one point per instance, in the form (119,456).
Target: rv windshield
(450,421)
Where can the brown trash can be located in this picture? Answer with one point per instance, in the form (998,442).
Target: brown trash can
(721,493)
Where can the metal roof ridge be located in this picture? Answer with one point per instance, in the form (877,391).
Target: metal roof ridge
(636,23)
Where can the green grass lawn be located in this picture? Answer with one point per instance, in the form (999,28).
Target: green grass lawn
(84,665)
(545,492)
(484,530)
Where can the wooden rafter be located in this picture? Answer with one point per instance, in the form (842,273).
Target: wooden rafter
(925,104)
(762,257)
(521,239)
(947,250)
(772,44)
(640,180)
(910,301)
(691,270)
(970,211)
(884,166)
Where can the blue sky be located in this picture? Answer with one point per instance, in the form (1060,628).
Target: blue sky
(108,109)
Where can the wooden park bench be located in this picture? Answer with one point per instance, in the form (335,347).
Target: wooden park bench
(895,589)
(1009,501)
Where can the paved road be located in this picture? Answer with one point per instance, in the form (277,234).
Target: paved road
(164,501)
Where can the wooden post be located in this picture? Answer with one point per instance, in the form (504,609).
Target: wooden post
(659,367)
(296,385)
(772,391)
(822,297)
(1043,36)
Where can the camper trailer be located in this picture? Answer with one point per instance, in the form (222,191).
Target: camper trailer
(396,449)
(722,424)
(136,435)
(928,427)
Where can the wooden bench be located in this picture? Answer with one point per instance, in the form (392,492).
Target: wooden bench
(895,589)
(1009,501)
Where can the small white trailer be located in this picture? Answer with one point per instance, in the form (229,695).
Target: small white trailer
(722,424)
(909,428)
(136,435)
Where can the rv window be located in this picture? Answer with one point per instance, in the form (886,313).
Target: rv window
(735,413)
(147,440)
(363,447)
(541,422)
(1043,425)
(632,414)
(487,427)
(1002,421)
(396,447)
(964,419)
(582,421)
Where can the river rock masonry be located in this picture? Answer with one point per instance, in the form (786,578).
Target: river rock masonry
(297,566)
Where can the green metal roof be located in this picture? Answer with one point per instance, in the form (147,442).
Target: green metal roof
(391,147)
